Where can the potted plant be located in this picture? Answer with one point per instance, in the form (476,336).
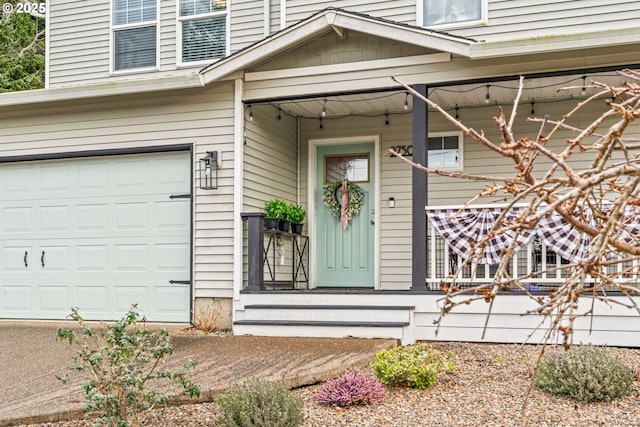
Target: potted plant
(275,210)
(296,215)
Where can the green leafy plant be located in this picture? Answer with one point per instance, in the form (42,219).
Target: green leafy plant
(276,208)
(295,213)
(415,366)
(260,403)
(585,374)
(120,360)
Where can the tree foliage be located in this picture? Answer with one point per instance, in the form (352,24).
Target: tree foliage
(599,198)
(22,50)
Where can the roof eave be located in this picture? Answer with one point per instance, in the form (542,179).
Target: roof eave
(322,22)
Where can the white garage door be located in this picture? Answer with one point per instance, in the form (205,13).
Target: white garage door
(97,233)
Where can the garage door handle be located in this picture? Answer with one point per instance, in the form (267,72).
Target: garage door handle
(42,259)
(26,264)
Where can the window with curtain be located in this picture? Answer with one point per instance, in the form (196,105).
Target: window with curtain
(203,27)
(450,12)
(134,34)
(445,151)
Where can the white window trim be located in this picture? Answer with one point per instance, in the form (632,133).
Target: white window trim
(113,28)
(181,19)
(460,136)
(484,18)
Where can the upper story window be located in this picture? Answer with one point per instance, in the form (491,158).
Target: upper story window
(453,13)
(445,151)
(134,25)
(203,30)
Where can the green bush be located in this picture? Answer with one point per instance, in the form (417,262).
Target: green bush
(415,366)
(119,361)
(276,208)
(585,374)
(260,403)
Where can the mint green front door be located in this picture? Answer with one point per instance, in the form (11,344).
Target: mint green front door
(345,257)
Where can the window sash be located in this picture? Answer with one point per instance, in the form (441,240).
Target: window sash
(201,7)
(134,48)
(134,11)
(446,12)
(444,152)
(204,39)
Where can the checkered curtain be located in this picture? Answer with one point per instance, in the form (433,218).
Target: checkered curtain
(462,229)
(470,226)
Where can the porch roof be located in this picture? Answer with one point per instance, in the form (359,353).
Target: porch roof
(338,20)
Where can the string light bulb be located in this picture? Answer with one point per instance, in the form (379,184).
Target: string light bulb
(279,113)
(323,113)
(583,92)
(406,101)
(386,118)
(457,109)
(250,113)
(321,126)
(487,97)
(533,111)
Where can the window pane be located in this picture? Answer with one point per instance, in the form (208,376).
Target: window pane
(133,11)
(354,167)
(438,12)
(135,48)
(198,7)
(204,39)
(444,152)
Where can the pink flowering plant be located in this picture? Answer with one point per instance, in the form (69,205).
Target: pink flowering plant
(351,388)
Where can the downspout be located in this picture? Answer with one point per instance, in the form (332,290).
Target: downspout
(238,189)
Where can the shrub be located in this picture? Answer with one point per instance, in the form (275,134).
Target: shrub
(415,366)
(353,387)
(260,403)
(119,361)
(585,374)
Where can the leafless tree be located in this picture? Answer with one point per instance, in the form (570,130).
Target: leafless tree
(601,202)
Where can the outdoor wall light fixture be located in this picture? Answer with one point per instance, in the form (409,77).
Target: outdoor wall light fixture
(208,172)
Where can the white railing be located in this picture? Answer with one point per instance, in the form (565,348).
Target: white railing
(443,263)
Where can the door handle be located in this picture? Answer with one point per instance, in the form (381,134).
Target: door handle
(42,259)
(26,263)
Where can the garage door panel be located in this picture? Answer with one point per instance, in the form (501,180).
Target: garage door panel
(16,220)
(110,233)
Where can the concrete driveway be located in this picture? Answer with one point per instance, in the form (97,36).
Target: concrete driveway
(31,359)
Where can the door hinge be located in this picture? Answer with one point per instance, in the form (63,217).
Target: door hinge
(180,196)
(180,282)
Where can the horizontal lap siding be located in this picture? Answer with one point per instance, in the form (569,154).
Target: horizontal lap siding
(202,117)
(518,19)
(395,181)
(247,23)
(398,10)
(79,42)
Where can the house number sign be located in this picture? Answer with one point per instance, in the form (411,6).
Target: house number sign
(403,150)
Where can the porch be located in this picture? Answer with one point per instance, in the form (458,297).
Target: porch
(297,309)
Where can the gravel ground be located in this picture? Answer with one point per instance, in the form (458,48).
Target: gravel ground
(489,389)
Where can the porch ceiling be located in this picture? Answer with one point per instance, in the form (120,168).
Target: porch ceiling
(538,90)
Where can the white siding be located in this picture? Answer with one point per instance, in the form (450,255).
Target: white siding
(202,117)
(270,158)
(247,23)
(519,19)
(403,11)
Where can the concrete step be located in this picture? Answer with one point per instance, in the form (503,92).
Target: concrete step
(332,313)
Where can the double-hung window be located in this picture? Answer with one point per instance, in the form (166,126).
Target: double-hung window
(134,25)
(445,151)
(203,30)
(453,13)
